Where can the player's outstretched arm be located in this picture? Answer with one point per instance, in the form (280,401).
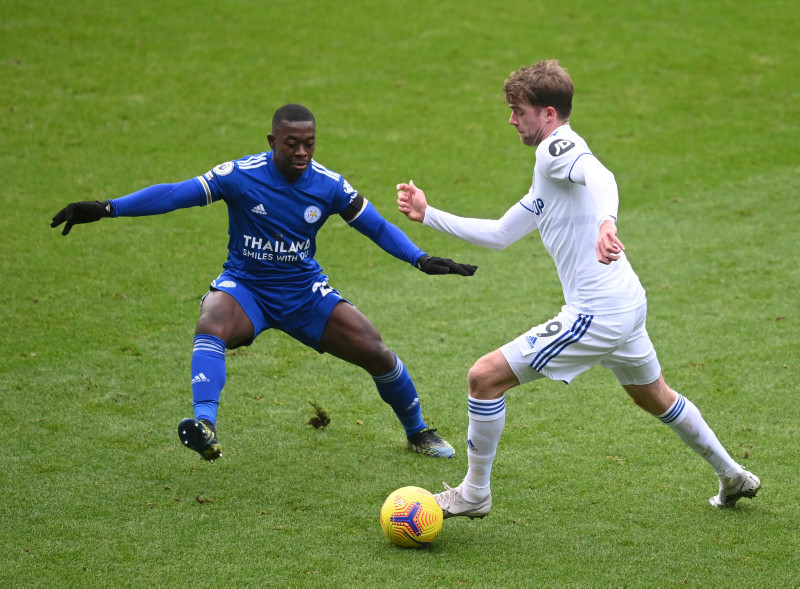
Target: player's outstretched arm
(75,213)
(492,233)
(153,200)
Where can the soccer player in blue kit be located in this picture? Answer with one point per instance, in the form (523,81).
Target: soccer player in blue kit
(277,202)
(572,202)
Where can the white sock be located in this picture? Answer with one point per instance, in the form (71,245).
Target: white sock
(685,420)
(486,422)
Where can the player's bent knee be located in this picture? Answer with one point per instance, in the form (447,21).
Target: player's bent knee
(374,357)
(479,380)
(490,377)
(381,358)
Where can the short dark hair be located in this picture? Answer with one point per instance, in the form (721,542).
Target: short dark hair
(543,84)
(291,113)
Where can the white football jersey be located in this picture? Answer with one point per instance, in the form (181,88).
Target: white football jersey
(567,218)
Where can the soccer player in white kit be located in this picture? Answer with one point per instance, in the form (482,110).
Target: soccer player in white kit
(573,202)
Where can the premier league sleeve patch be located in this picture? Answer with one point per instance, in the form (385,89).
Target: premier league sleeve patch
(223,169)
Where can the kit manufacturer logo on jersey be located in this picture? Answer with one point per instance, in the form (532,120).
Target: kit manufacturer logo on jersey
(224,169)
(259,209)
(560,147)
(312,214)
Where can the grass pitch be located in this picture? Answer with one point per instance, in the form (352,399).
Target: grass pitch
(693,107)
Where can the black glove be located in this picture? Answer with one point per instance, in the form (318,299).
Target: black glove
(87,211)
(433,265)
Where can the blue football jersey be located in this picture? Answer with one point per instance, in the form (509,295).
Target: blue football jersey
(273,224)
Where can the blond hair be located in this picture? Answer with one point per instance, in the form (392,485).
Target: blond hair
(542,84)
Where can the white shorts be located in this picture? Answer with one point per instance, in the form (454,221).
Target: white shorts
(571,343)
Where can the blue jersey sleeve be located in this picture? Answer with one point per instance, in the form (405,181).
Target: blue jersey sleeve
(161,198)
(389,237)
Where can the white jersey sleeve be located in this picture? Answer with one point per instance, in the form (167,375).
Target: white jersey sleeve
(601,184)
(492,233)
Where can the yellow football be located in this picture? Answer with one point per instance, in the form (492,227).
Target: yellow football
(410,517)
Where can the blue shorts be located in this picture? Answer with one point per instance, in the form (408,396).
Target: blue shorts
(300,312)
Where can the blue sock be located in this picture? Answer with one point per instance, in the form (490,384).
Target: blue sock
(208,375)
(396,389)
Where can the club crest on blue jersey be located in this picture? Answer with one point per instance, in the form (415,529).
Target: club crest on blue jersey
(312,214)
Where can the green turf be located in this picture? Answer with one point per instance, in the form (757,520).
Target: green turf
(694,106)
